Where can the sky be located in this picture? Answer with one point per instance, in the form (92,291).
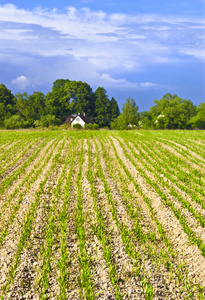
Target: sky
(141,49)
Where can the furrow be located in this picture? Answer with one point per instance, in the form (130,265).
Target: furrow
(173,228)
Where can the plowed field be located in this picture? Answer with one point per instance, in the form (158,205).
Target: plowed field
(102,215)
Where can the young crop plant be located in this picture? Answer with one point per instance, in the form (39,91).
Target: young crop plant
(50,230)
(126,235)
(101,232)
(146,199)
(10,179)
(26,231)
(189,175)
(16,155)
(158,170)
(135,215)
(10,152)
(15,207)
(160,229)
(29,178)
(84,278)
(65,261)
(102,214)
(184,152)
(190,233)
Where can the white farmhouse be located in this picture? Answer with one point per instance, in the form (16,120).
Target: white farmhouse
(81,119)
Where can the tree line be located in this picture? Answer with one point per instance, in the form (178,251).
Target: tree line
(170,112)
(173,112)
(66,97)
(72,97)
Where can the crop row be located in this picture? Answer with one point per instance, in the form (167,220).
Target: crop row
(97,215)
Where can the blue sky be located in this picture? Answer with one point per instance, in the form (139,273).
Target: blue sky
(138,48)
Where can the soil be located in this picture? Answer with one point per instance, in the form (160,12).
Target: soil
(143,273)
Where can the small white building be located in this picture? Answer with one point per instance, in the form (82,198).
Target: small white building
(81,119)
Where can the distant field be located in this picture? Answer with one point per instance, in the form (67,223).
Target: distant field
(102,215)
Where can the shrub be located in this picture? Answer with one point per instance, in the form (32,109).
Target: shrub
(52,127)
(77,126)
(91,126)
(65,126)
(15,122)
(47,121)
(95,127)
(37,123)
(118,123)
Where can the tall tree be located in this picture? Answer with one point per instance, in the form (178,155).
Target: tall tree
(145,120)
(129,115)
(172,112)
(114,109)
(69,97)
(23,109)
(6,103)
(130,112)
(102,107)
(59,83)
(22,104)
(81,97)
(198,121)
(57,101)
(36,103)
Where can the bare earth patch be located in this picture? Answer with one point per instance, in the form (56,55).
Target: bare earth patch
(94,193)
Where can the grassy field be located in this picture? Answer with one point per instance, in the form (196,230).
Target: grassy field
(102,215)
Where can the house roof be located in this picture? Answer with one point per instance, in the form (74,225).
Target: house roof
(85,118)
(70,118)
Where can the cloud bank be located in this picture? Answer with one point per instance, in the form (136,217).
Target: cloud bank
(94,46)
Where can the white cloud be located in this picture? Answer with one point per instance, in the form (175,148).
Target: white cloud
(22,82)
(130,65)
(124,84)
(17,34)
(83,23)
(97,26)
(157,28)
(198,53)
(82,44)
(136,36)
(149,85)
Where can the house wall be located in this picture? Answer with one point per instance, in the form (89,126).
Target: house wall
(78,120)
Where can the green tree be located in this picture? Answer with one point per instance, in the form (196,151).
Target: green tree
(145,120)
(130,112)
(23,108)
(172,112)
(198,121)
(6,103)
(114,109)
(118,123)
(36,103)
(57,101)
(22,104)
(59,83)
(69,97)
(81,97)
(102,107)
(129,116)
(161,105)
